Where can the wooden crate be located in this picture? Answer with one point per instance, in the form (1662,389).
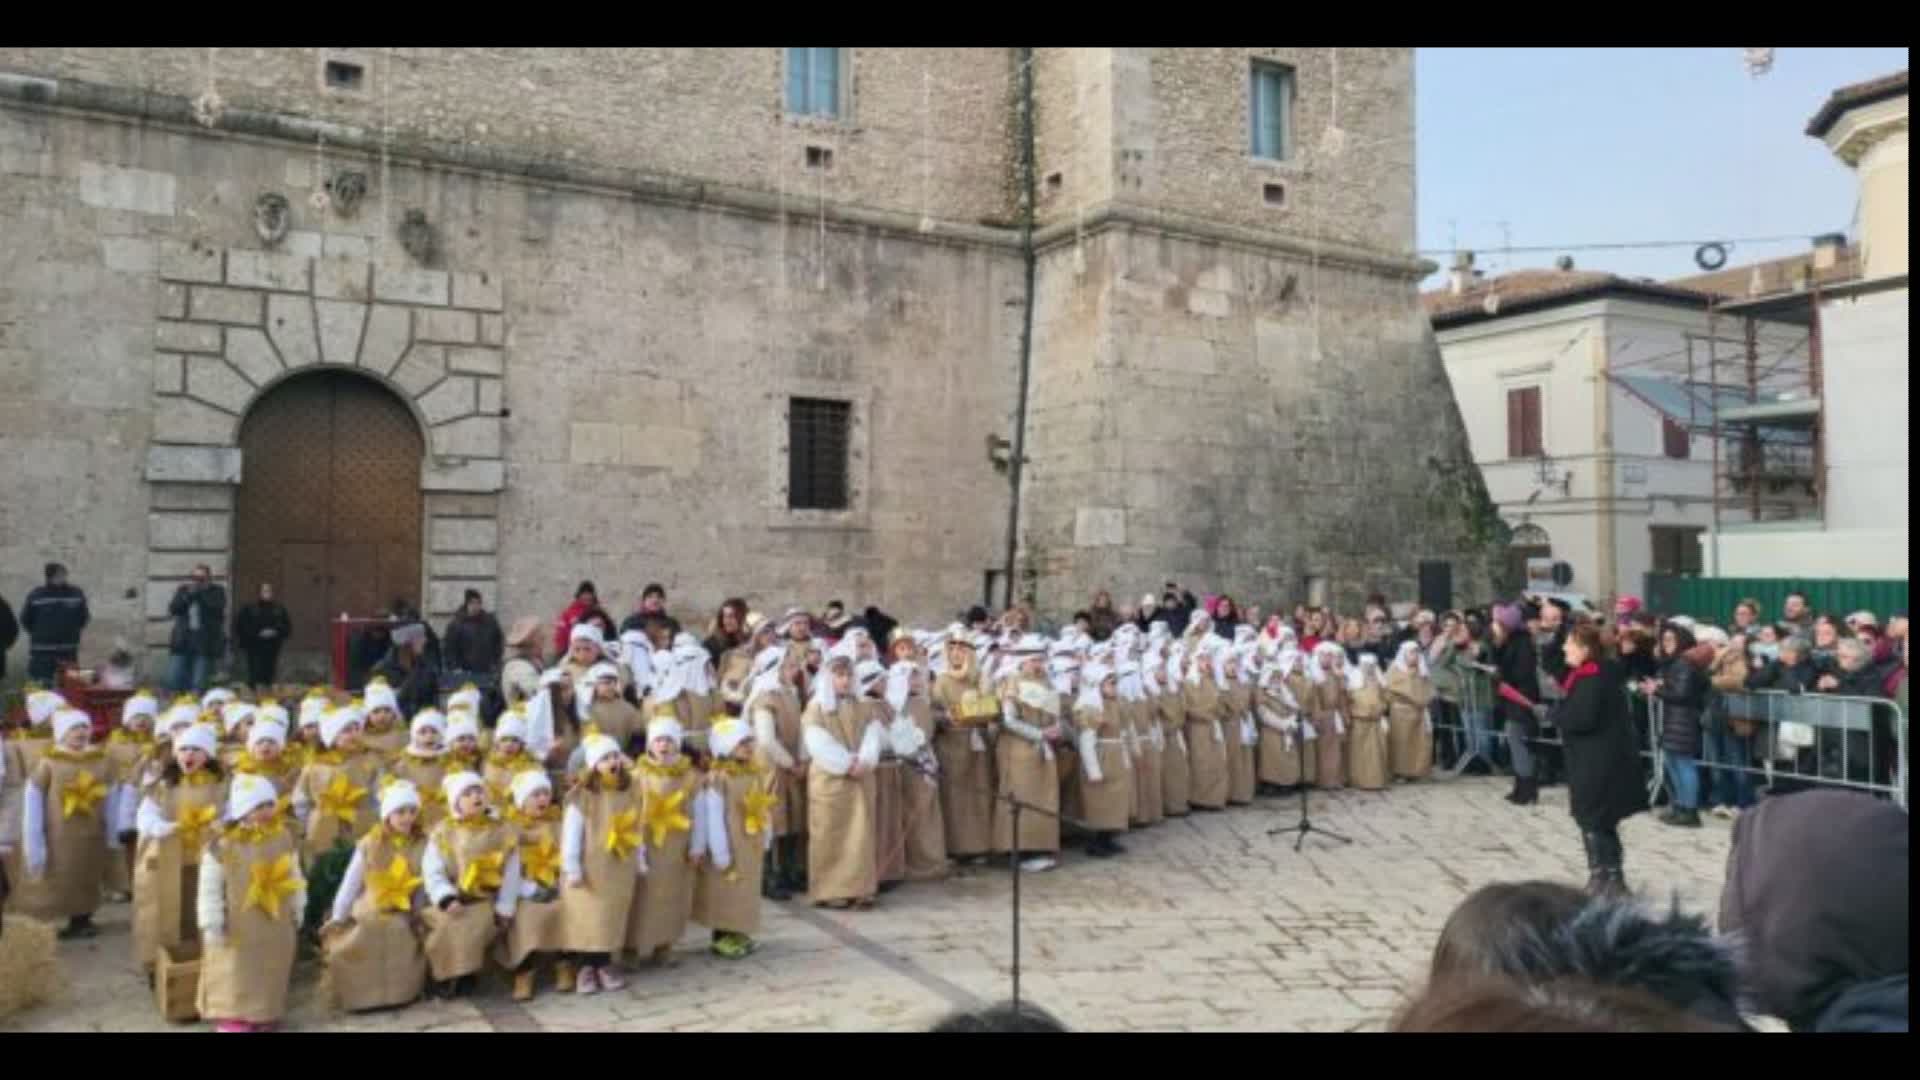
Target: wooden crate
(176,984)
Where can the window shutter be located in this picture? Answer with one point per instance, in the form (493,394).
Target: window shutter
(826,82)
(1516,425)
(797,79)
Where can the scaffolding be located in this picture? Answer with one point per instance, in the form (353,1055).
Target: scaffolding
(1756,396)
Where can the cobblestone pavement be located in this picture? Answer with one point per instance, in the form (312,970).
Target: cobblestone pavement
(1206,923)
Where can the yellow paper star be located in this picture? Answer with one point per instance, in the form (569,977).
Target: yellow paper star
(81,794)
(342,799)
(664,816)
(623,834)
(393,887)
(540,861)
(483,873)
(193,825)
(757,803)
(268,883)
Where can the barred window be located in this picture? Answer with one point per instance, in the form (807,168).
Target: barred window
(817,439)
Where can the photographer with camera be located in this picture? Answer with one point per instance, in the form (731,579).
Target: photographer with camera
(199,610)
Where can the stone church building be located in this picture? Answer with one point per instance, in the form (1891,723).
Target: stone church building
(381,322)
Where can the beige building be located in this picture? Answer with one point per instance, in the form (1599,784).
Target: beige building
(385,321)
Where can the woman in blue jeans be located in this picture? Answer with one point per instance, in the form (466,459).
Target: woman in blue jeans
(1682,689)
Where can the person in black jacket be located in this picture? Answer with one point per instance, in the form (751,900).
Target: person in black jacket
(199,610)
(1516,676)
(9,633)
(1602,759)
(260,630)
(1792,673)
(410,669)
(1682,689)
(474,641)
(53,616)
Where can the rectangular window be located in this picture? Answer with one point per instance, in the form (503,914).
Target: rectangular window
(1675,438)
(1272,110)
(1523,423)
(817,439)
(1676,549)
(813,82)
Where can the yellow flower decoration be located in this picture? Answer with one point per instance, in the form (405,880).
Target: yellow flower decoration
(342,800)
(540,861)
(757,803)
(665,816)
(268,883)
(393,887)
(623,834)
(194,823)
(81,794)
(483,873)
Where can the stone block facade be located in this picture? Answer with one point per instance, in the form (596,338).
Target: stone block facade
(600,307)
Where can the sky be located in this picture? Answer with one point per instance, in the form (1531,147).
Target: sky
(1584,146)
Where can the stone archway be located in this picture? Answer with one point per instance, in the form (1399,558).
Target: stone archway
(234,327)
(330,510)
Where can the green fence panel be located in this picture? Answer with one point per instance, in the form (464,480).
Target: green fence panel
(1712,599)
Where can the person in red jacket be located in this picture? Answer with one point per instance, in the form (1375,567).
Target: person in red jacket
(585,598)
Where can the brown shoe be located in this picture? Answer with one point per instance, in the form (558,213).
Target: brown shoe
(523,985)
(563,976)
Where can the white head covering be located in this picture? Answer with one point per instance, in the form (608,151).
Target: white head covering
(1367,669)
(313,708)
(140,704)
(67,720)
(378,695)
(183,715)
(216,697)
(398,795)
(462,723)
(594,748)
(200,737)
(233,714)
(336,721)
(42,704)
(665,727)
(457,784)
(691,660)
(900,684)
(726,736)
(465,699)
(511,725)
(792,618)
(637,652)
(429,719)
(248,793)
(824,694)
(1091,678)
(1411,649)
(272,712)
(867,674)
(267,731)
(526,783)
(586,631)
(603,670)
(1316,671)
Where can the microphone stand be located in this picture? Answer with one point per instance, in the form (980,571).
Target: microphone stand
(1305,825)
(1015,806)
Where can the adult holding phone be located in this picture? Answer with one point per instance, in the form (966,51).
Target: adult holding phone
(199,610)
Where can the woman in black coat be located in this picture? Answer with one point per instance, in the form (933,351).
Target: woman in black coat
(1682,689)
(1602,757)
(1516,671)
(260,630)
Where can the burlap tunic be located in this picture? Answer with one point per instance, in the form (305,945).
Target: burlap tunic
(245,977)
(964,719)
(664,901)
(426,772)
(842,829)
(1028,771)
(539,925)
(1176,775)
(732,675)
(283,773)
(327,823)
(1206,744)
(790,811)
(1323,701)
(76,841)
(1367,763)
(1410,740)
(376,961)
(730,899)
(1148,803)
(1241,769)
(1105,803)
(457,942)
(617,720)
(131,754)
(498,774)
(925,831)
(595,912)
(387,741)
(1279,752)
(166,874)
(889,820)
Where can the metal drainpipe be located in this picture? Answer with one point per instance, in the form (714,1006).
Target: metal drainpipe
(1018,460)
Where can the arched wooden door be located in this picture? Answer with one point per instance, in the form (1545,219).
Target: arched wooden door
(330,507)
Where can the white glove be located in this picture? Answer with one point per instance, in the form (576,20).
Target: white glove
(215,938)
(640,861)
(577,881)
(160,830)
(1307,732)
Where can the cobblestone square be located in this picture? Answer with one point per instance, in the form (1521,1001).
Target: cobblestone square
(1206,924)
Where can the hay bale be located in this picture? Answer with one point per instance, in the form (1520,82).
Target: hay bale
(29,974)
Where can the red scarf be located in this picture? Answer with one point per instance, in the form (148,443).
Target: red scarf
(1585,671)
